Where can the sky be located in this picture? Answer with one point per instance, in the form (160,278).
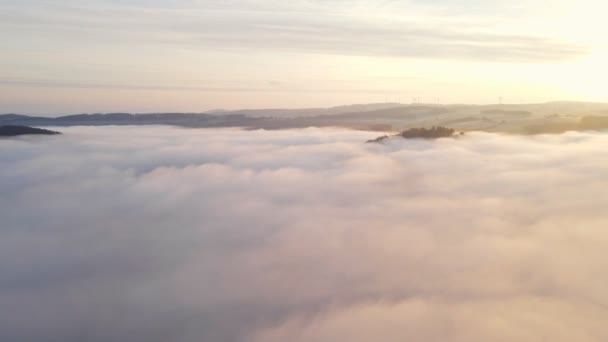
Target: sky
(166,234)
(68,56)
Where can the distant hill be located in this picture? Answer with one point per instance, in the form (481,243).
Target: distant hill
(552,117)
(12,131)
(309,112)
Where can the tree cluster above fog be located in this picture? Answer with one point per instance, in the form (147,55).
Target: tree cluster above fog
(420,133)
(11,131)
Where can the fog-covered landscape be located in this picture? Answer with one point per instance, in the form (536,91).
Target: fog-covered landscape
(160,233)
(303,171)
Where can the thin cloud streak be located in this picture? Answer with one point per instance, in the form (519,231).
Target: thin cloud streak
(272,87)
(333,33)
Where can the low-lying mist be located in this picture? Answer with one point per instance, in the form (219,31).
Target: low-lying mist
(159,234)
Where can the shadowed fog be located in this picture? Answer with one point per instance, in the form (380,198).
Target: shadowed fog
(163,234)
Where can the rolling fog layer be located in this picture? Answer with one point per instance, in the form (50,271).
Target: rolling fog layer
(162,234)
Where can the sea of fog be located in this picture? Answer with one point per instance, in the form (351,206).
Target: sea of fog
(161,234)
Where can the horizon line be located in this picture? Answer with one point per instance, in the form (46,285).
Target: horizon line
(220,111)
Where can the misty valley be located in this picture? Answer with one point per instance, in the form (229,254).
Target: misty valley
(303,171)
(160,233)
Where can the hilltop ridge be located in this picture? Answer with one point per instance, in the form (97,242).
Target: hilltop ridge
(552,117)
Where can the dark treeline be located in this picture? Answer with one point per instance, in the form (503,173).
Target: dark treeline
(434,132)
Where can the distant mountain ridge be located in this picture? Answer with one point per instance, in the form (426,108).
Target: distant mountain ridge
(550,117)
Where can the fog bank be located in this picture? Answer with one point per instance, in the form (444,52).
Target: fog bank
(168,234)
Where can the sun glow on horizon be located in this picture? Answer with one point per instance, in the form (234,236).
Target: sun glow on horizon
(195,56)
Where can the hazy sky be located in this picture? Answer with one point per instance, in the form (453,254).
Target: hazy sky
(68,56)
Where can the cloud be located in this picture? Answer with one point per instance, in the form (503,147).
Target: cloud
(169,234)
(352,28)
(248,87)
